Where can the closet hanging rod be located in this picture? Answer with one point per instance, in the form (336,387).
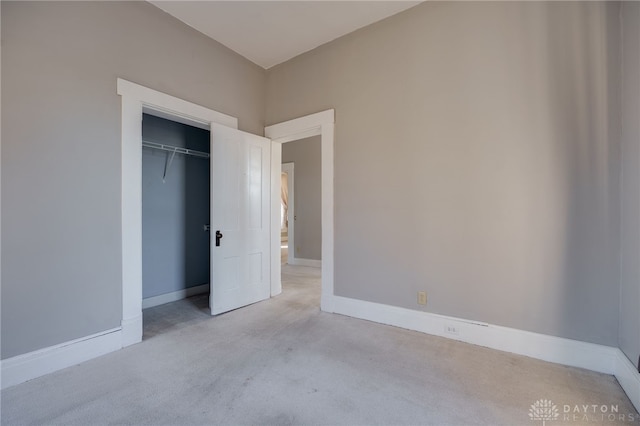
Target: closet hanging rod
(174,149)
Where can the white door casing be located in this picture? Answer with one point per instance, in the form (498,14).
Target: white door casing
(320,123)
(240,213)
(137,99)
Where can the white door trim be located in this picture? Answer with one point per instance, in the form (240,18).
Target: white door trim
(321,123)
(137,99)
(289,168)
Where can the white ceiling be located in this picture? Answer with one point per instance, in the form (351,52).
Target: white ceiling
(271,32)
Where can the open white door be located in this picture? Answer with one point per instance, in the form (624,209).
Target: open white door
(240,219)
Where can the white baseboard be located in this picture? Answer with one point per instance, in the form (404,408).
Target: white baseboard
(548,348)
(34,364)
(298,261)
(604,359)
(628,377)
(150,302)
(131,331)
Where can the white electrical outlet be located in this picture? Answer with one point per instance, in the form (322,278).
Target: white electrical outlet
(422,298)
(451,329)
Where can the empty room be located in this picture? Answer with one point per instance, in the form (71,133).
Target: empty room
(318,212)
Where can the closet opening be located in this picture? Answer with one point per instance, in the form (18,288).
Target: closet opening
(175,224)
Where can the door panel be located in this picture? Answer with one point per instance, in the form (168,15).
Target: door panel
(240,210)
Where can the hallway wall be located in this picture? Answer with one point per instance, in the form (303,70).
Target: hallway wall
(305,154)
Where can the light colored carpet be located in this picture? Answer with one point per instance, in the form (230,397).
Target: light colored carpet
(283,361)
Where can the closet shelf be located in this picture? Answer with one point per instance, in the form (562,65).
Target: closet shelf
(174,149)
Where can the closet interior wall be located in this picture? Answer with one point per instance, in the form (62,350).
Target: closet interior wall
(175,209)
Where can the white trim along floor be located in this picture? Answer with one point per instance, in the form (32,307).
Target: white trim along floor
(283,361)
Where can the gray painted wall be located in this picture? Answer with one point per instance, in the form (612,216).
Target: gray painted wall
(476,158)
(175,246)
(494,123)
(61,263)
(630,279)
(305,154)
